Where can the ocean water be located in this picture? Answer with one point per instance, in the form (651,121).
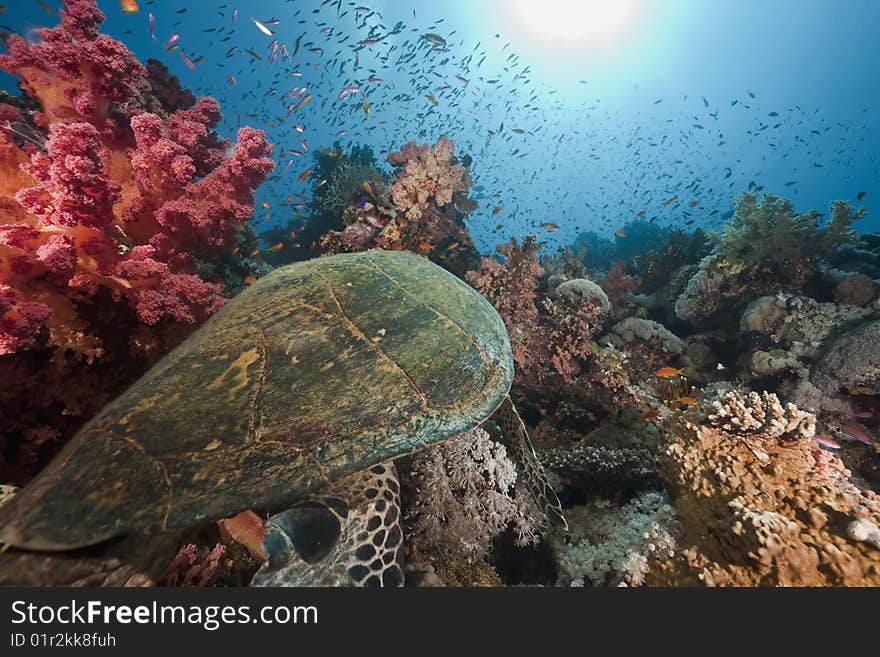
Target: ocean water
(611,141)
(616,119)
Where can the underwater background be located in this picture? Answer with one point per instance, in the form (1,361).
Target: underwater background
(674,207)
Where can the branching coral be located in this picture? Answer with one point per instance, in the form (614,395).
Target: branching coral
(769,229)
(465,496)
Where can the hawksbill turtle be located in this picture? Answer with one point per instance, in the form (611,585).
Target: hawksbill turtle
(295,398)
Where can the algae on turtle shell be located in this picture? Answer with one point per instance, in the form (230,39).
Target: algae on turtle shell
(321,370)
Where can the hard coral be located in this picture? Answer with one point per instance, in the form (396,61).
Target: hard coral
(761,503)
(769,230)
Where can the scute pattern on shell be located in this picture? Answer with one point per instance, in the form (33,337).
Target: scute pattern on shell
(317,371)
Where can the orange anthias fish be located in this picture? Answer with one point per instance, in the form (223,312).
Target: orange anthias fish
(250,279)
(305,174)
(668,372)
(687,401)
(276,247)
(128,6)
(425,246)
(620,233)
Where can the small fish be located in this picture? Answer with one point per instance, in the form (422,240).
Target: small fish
(652,414)
(187,61)
(687,401)
(451,246)
(366,109)
(864,415)
(497,210)
(550,227)
(152,21)
(670,201)
(825,441)
(299,128)
(46,8)
(860,196)
(128,6)
(265,30)
(668,372)
(305,174)
(620,233)
(346,91)
(425,246)
(266,205)
(368,189)
(231,80)
(169,43)
(431,98)
(434,39)
(276,247)
(305,99)
(855,433)
(250,279)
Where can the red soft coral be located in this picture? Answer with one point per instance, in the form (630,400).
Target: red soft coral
(74,71)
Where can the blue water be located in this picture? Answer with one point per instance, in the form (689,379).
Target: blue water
(611,126)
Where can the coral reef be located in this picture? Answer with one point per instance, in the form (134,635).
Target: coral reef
(768,229)
(760,502)
(613,545)
(465,497)
(852,361)
(118,223)
(422,210)
(792,331)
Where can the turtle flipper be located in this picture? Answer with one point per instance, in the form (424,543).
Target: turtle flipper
(529,468)
(349,535)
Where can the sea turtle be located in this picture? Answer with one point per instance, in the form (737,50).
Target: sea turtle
(296,396)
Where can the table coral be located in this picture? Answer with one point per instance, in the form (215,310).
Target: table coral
(760,502)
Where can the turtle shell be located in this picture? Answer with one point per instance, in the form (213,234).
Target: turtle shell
(317,371)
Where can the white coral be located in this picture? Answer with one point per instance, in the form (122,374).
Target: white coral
(621,544)
(755,413)
(465,495)
(634,329)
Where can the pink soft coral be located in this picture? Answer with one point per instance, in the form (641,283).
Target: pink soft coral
(117,214)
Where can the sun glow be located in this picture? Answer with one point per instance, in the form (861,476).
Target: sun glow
(574,22)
